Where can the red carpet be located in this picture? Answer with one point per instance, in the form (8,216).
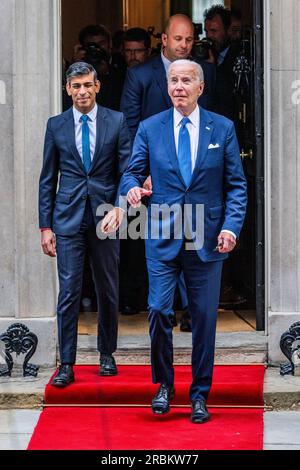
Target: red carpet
(136,428)
(139,429)
(232,385)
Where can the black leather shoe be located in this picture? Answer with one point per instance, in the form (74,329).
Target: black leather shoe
(174,320)
(108,365)
(64,376)
(186,321)
(230,298)
(161,401)
(199,412)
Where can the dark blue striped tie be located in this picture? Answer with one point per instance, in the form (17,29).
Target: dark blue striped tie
(184,152)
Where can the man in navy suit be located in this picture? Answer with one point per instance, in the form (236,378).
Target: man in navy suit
(88,148)
(145,91)
(194,160)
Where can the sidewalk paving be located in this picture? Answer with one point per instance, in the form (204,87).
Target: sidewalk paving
(281,429)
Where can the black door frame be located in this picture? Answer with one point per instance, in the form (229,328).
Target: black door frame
(258,29)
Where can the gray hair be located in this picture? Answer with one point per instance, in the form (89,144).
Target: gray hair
(197,68)
(80,68)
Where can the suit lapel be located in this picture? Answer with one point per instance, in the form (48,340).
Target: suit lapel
(100,137)
(69,130)
(205,135)
(161,79)
(169,142)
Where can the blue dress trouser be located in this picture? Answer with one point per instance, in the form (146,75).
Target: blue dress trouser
(203,290)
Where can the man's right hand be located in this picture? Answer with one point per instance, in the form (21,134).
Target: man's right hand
(135,195)
(48,243)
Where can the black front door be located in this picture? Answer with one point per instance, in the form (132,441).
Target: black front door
(250,106)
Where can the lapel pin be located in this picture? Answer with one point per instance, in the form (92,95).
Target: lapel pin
(208,128)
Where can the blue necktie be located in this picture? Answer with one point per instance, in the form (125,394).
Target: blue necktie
(86,151)
(184,152)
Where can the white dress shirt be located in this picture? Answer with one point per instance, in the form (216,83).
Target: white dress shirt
(193,129)
(166,62)
(92,123)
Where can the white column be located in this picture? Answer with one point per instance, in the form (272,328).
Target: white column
(31,56)
(282,22)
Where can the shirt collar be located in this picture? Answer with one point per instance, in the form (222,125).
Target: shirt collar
(166,62)
(92,114)
(222,55)
(194,117)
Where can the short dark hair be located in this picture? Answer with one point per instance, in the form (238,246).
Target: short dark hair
(117,38)
(220,10)
(93,30)
(138,34)
(80,68)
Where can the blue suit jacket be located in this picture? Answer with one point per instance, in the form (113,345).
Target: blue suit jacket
(145,91)
(218,181)
(63,210)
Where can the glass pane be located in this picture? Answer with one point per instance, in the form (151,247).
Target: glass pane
(199,7)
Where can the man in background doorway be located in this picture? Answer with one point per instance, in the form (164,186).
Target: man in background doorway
(133,274)
(223,28)
(136,46)
(95,45)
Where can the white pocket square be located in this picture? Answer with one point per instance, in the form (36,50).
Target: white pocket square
(212,146)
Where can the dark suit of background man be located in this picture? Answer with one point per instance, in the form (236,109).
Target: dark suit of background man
(223,28)
(194,158)
(223,55)
(145,93)
(88,147)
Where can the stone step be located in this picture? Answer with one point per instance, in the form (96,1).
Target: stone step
(281,393)
(181,356)
(231,348)
(17,392)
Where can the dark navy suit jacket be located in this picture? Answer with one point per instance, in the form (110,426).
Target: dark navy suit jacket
(145,91)
(218,182)
(62,210)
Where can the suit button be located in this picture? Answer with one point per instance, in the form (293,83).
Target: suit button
(84,197)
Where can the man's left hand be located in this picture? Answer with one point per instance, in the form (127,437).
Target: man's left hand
(226,242)
(112,220)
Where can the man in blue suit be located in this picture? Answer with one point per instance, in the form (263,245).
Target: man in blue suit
(194,160)
(88,147)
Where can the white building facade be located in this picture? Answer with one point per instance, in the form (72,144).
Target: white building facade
(30,88)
